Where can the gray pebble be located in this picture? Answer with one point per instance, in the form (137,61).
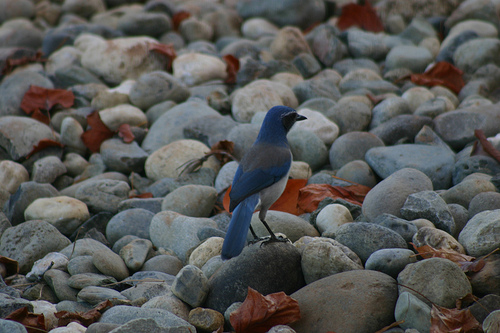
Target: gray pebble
(80,281)
(123,157)
(110,263)
(191,200)
(103,195)
(414,312)
(412,57)
(82,265)
(306,146)
(352,146)
(58,282)
(481,234)
(191,285)
(390,261)
(135,253)
(95,295)
(147,290)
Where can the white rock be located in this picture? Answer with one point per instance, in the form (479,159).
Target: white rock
(210,248)
(332,217)
(12,175)
(123,114)
(48,310)
(71,135)
(255,28)
(54,260)
(416,96)
(482,28)
(170,160)
(316,122)
(196,68)
(72,327)
(300,170)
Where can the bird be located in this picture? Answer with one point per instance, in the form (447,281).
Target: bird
(260,179)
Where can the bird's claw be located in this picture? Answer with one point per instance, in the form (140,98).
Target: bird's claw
(271,239)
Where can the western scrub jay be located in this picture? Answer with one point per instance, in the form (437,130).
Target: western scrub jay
(262,174)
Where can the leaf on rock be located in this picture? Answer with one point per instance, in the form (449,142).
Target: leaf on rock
(125,133)
(145,195)
(427,251)
(223,151)
(179,17)
(441,74)
(11,63)
(166,50)
(259,313)
(363,16)
(42,144)
(33,322)
(97,133)
(10,266)
(84,318)
(311,195)
(232,68)
(485,146)
(38,98)
(445,320)
(287,202)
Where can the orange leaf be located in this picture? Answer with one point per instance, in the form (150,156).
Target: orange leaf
(97,133)
(259,313)
(39,98)
(167,50)
(445,320)
(286,203)
(84,318)
(145,195)
(33,322)
(178,18)
(232,67)
(441,74)
(363,16)
(125,133)
(311,195)
(42,144)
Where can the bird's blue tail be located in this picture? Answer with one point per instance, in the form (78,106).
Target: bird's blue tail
(236,235)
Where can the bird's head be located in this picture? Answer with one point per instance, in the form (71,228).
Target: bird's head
(282,115)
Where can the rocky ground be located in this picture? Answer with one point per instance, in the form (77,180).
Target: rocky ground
(125,220)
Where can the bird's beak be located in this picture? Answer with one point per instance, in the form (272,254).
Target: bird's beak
(300,117)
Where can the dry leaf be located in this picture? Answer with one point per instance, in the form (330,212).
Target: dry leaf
(441,74)
(125,133)
(259,313)
(445,320)
(178,18)
(232,68)
(33,322)
(84,318)
(167,50)
(287,202)
(97,133)
(11,63)
(11,266)
(486,145)
(363,16)
(427,251)
(223,151)
(42,144)
(145,195)
(38,98)
(311,195)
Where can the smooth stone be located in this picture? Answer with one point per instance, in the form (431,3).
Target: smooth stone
(453,41)
(150,204)
(103,195)
(325,44)
(359,172)
(191,200)
(82,265)
(123,157)
(443,286)
(429,205)
(193,29)
(47,169)
(289,42)
(352,146)
(256,27)
(95,295)
(115,116)
(389,195)
(492,322)
(118,59)
(372,296)
(191,286)
(209,129)
(481,234)
(169,160)
(477,52)
(206,319)
(414,313)
(58,282)
(12,326)
(11,9)
(176,232)
(148,276)
(110,263)
(64,213)
(307,147)
(54,260)
(8,304)
(135,221)
(467,165)
(83,247)
(307,64)
(331,217)
(12,175)
(163,263)
(466,190)
(71,133)
(400,128)
(170,303)
(195,68)
(369,45)
(418,30)
(147,290)
(316,88)
(323,257)
(365,238)
(30,241)
(390,261)
(412,57)
(403,227)
(162,319)
(388,109)
(80,281)
(316,122)
(434,161)
(225,176)
(437,239)
(144,23)
(267,268)
(482,202)
(135,253)
(434,107)
(292,226)
(210,248)
(75,164)
(350,116)
(125,240)
(18,135)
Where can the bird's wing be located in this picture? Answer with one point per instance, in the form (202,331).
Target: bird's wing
(261,167)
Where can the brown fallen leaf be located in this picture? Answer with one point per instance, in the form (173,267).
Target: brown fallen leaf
(178,18)
(9,266)
(42,144)
(441,74)
(98,132)
(427,251)
(84,318)
(38,99)
(232,68)
(11,63)
(485,145)
(311,195)
(166,50)
(33,322)
(445,320)
(145,195)
(259,313)
(125,133)
(363,16)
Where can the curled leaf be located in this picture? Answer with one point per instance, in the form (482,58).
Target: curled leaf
(232,68)
(441,74)
(38,98)
(84,318)
(33,322)
(98,132)
(42,144)
(259,313)
(166,50)
(445,320)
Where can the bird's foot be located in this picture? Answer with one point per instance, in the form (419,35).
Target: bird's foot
(273,239)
